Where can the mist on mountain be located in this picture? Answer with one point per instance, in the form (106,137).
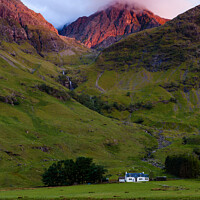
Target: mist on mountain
(66,11)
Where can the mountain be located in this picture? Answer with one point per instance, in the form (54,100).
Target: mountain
(159,49)
(19,24)
(107,26)
(153,66)
(152,78)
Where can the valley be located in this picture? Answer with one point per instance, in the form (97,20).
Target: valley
(128,105)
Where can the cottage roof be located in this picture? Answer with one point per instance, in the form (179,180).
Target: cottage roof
(136,175)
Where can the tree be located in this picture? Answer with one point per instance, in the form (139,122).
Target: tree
(87,171)
(59,174)
(96,173)
(83,167)
(67,172)
(184,166)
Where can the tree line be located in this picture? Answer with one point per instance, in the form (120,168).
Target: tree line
(68,172)
(183,166)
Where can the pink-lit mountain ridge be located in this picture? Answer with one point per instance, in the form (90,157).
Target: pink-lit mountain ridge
(107,26)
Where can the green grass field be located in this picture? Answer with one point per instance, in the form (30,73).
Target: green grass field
(179,189)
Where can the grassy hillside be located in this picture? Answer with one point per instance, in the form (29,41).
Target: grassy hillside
(153,76)
(40,124)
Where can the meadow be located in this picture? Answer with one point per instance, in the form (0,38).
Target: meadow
(176,189)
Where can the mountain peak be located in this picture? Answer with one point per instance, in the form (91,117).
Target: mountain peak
(107,25)
(126,5)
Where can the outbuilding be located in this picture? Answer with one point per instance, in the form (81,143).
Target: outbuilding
(121,179)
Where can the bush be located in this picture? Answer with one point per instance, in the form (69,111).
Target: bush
(67,172)
(193,140)
(184,166)
(13,100)
(140,105)
(197,151)
(62,95)
(92,102)
(139,120)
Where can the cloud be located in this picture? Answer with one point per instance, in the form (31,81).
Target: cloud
(60,12)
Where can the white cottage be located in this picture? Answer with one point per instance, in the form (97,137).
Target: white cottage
(136,177)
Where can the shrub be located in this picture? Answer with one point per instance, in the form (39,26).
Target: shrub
(62,95)
(197,151)
(92,102)
(139,120)
(193,140)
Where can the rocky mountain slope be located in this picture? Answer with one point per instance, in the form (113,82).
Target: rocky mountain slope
(107,26)
(159,49)
(19,24)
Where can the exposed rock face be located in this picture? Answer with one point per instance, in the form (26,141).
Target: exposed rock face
(18,23)
(106,26)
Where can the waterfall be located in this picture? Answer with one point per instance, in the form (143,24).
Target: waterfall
(70,82)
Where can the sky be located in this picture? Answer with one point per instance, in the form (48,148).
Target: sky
(61,12)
